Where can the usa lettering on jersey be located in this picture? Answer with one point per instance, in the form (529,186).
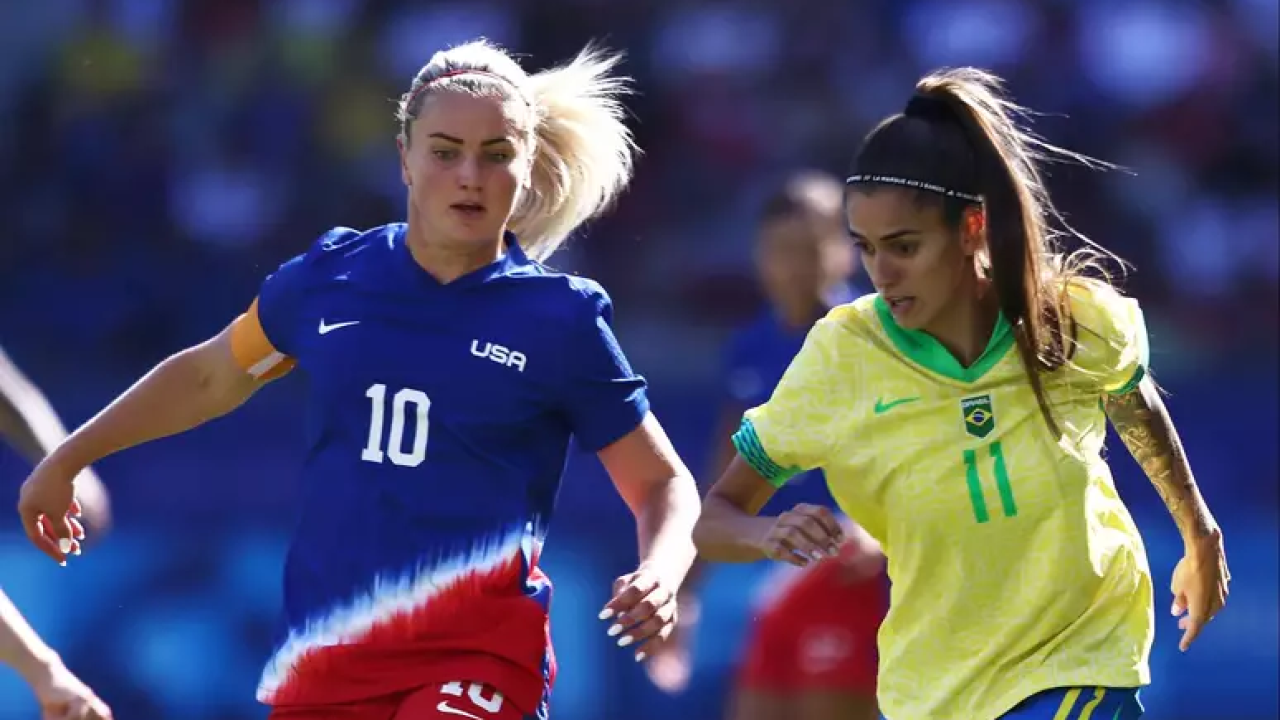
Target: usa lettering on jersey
(499,353)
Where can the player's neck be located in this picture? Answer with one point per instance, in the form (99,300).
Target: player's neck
(966,328)
(447,261)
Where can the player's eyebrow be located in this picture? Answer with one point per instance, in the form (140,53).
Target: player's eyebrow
(459,141)
(887,237)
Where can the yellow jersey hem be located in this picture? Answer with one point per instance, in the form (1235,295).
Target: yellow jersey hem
(1035,684)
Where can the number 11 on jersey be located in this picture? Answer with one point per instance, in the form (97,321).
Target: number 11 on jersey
(974,480)
(400,404)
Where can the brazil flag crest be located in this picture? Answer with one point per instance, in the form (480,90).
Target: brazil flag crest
(979,417)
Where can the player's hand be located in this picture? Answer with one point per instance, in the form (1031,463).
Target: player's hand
(49,511)
(62,696)
(803,534)
(1199,586)
(643,611)
(670,664)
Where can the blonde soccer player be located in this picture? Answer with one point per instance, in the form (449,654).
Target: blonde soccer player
(449,371)
(959,415)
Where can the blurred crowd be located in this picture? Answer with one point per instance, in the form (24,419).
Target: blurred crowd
(157,157)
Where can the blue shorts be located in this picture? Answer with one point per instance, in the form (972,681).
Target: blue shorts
(1088,703)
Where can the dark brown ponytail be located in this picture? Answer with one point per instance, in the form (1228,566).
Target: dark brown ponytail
(960,136)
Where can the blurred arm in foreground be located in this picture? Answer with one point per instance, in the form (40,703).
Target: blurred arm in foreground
(61,694)
(28,422)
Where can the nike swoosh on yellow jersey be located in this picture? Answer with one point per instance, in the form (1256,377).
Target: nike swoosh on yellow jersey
(884,407)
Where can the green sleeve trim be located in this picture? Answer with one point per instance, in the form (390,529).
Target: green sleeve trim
(747,443)
(1130,386)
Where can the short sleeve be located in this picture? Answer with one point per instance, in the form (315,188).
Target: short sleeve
(798,428)
(280,303)
(604,398)
(282,295)
(1111,335)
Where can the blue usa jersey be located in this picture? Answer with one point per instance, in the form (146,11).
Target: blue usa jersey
(439,420)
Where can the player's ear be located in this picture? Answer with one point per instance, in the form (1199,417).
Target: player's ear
(405,177)
(973,231)
(973,239)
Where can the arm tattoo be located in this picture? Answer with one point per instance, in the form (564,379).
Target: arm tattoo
(1143,423)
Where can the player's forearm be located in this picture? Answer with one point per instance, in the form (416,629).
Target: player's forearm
(1143,423)
(20,647)
(726,533)
(179,394)
(722,454)
(664,528)
(27,420)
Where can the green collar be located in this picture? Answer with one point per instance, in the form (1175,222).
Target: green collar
(924,350)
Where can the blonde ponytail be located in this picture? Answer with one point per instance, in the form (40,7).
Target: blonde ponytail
(584,152)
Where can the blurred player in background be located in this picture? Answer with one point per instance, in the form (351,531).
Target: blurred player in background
(448,373)
(29,423)
(959,415)
(811,655)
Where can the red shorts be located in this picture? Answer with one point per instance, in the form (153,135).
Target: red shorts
(451,701)
(819,633)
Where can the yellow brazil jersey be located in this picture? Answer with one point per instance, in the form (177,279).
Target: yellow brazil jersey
(1015,566)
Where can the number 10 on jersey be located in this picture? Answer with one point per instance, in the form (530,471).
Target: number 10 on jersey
(973,478)
(406,402)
